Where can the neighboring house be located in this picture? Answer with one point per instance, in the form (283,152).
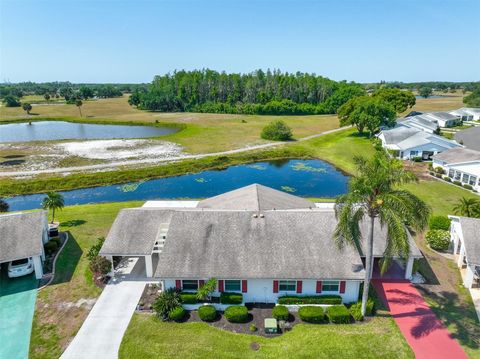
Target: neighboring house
(419,122)
(444,119)
(410,143)
(460,164)
(469,137)
(255,240)
(467,113)
(465,235)
(22,235)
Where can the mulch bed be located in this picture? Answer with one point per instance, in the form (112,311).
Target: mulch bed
(150,293)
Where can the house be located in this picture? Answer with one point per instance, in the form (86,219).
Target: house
(460,164)
(465,235)
(255,240)
(410,143)
(444,119)
(419,122)
(22,235)
(469,137)
(467,113)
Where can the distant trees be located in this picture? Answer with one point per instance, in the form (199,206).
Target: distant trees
(400,100)
(11,101)
(46,97)
(27,107)
(367,113)
(425,91)
(277,131)
(79,104)
(86,92)
(473,99)
(134,99)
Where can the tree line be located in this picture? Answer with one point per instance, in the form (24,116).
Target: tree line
(258,92)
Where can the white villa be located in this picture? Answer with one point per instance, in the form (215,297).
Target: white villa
(467,113)
(444,119)
(408,143)
(465,235)
(460,164)
(255,240)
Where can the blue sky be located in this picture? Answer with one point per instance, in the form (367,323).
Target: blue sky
(131,41)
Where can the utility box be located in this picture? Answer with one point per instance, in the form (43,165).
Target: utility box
(271,326)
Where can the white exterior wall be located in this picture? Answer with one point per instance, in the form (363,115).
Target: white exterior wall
(429,147)
(470,169)
(261,290)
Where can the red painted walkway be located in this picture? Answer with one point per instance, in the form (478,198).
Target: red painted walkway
(425,333)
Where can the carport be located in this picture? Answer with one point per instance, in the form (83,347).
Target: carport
(22,236)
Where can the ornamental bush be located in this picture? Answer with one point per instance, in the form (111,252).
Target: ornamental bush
(458,183)
(467,186)
(231,298)
(312,299)
(236,314)
(312,314)
(356,310)
(438,239)
(280,312)
(207,313)
(277,131)
(338,314)
(446,178)
(439,222)
(167,300)
(100,265)
(177,314)
(188,297)
(51,246)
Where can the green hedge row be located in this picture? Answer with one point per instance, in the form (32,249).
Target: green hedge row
(188,298)
(231,298)
(313,299)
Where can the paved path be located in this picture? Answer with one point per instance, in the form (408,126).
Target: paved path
(102,332)
(424,332)
(113,165)
(17,304)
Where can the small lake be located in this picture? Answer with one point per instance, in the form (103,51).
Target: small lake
(305,178)
(62,130)
(432,97)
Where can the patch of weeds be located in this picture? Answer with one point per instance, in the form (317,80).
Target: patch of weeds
(288,189)
(201,180)
(300,166)
(258,167)
(130,187)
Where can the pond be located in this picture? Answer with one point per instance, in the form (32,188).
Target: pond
(62,130)
(432,97)
(305,178)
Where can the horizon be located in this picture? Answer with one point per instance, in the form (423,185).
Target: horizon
(131,42)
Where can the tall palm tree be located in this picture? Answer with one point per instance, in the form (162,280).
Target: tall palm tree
(3,205)
(374,194)
(53,201)
(467,207)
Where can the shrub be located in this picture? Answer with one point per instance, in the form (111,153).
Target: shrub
(314,299)
(166,302)
(417,159)
(356,310)
(100,265)
(188,298)
(438,175)
(177,314)
(231,298)
(467,186)
(57,240)
(207,313)
(51,246)
(253,327)
(312,314)
(439,222)
(438,239)
(439,170)
(446,178)
(338,314)
(95,249)
(277,131)
(430,166)
(458,183)
(280,312)
(237,314)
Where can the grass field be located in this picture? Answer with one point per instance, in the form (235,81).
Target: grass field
(148,337)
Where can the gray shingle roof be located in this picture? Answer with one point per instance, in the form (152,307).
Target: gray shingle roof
(405,138)
(444,115)
(134,231)
(234,244)
(255,198)
(399,134)
(457,155)
(471,238)
(21,235)
(419,122)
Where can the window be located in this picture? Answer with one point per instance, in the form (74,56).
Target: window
(413,153)
(287,286)
(458,175)
(189,285)
(232,286)
(473,180)
(465,178)
(451,173)
(330,286)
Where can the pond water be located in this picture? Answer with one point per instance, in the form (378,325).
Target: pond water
(62,130)
(305,178)
(432,97)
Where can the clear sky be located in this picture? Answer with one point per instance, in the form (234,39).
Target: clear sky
(131,41)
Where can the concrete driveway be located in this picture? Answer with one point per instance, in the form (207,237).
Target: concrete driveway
(102,332)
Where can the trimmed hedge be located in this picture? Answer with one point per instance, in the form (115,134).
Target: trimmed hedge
(312,299)
(439,222)
(356,310)
(448,179)
(177,314)
(231,298)
(188,298)
(458,183)
(207,313)
(280,312)
(237,314)
(338,314)
(467,186)
(438,239)
(312,314)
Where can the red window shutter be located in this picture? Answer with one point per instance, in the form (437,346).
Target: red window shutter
(275,286)
(220,286)
(342,286)
(178,284)
(319,286)
(201,282)
(244,286)
(299,286)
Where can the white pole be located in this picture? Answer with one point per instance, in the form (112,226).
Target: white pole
(148,266)
(409,269)
(37,264)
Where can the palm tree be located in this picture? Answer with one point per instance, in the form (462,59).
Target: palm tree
(467,207)
(53,201)
(375,194)
(79,104)
(3,205)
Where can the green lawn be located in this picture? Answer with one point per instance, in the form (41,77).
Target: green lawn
(148,337)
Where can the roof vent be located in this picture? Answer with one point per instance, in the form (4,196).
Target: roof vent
(255,215)
(262,215)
